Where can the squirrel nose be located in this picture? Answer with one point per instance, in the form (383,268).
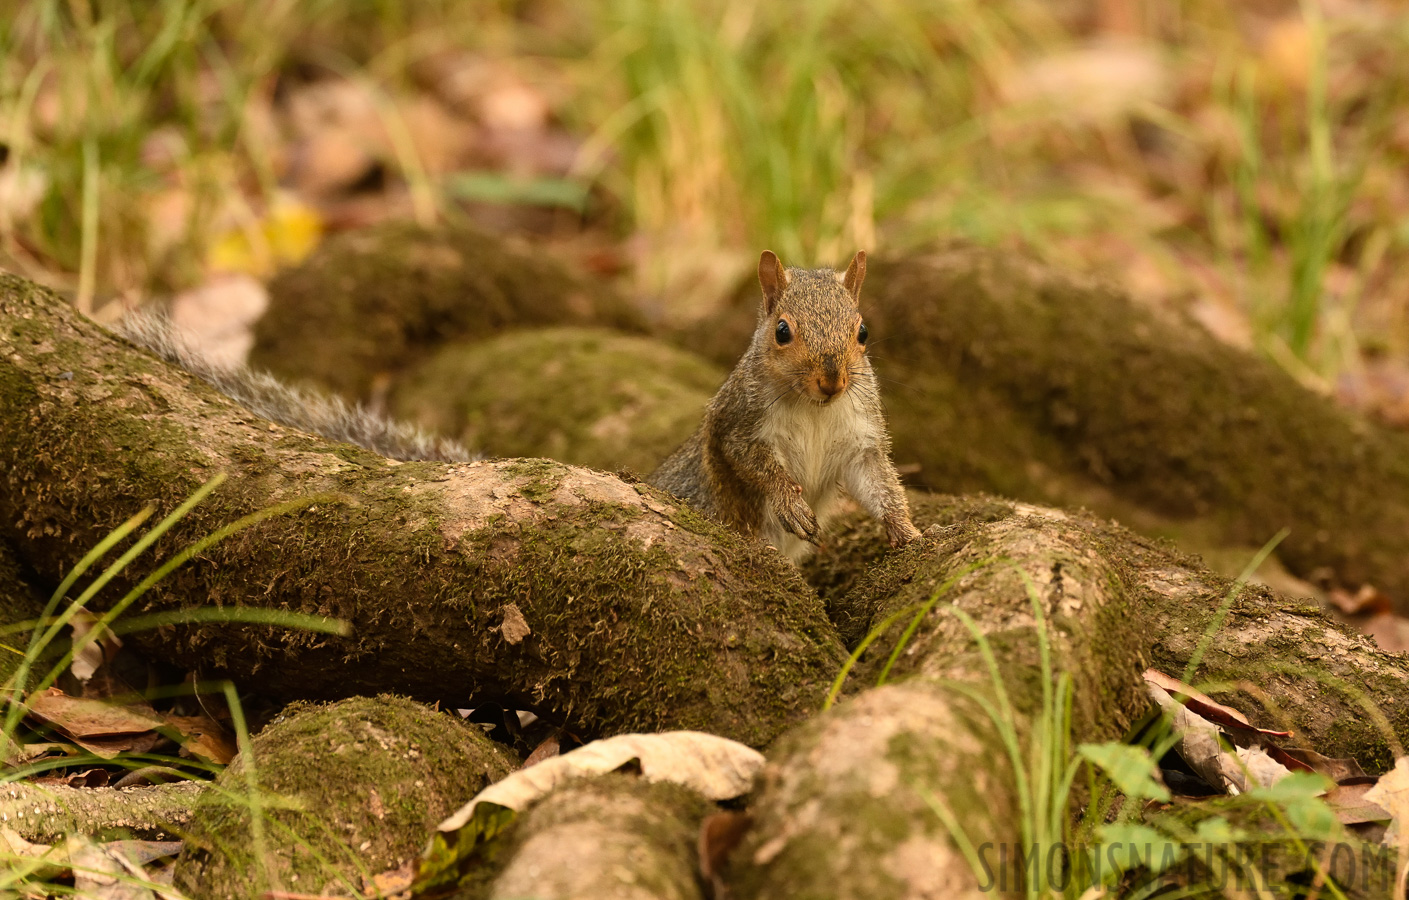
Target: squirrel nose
(830,384)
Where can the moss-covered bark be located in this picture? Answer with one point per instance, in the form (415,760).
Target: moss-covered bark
(600,603)
(582,396)
(615,837)
(1004,376)
(19,603)
(342,792)
(1297,669)
(846,808)
(371,301)
(866,780)
(48,813)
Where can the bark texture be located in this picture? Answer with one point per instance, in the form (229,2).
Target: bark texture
(601,603)
(46,814)
(865,780)
(19,603)
(616,837)
(1285,663)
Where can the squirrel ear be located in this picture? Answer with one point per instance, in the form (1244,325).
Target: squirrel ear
(773,277)
(855,274)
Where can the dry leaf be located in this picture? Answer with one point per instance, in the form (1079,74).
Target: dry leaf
(716,767)
(1287,52)
(87,778)
(1368,599)
(203,737)
(1389,632)
(1391,793)
(93,654)
(331,161)
(1348,802)
(1199,746)
(101,728)
(393,883)
(514,627)
(26,861)
(1338,770)
(1112,78)
(720,833)
(101,873)
(1205,706)
(546,750)
(218,317)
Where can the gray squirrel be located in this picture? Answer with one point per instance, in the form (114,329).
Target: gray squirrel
(311,411)
(798,421)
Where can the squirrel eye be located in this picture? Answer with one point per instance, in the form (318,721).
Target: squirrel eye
(783,333)
(861,333)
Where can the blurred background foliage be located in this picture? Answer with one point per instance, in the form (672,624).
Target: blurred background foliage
(1242,163)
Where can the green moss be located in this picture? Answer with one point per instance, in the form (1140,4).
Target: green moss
(19,602)
(410,766)
(856,542)
(536,479)
(582,396)
(684,670)
(374,300)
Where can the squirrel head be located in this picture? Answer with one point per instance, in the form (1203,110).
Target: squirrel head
(810,330)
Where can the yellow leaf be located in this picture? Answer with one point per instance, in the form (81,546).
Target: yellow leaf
(285,235)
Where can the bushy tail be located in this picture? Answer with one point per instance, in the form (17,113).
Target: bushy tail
(267,396)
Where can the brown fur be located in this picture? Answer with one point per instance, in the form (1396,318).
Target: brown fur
(796,423)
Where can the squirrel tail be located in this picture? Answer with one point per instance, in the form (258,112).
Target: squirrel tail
(267,396)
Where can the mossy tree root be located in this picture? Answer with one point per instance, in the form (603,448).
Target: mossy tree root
(598,602)
(616,837)
(48,813)
(371,301)
(870,780)
(1281,660)
(329,796)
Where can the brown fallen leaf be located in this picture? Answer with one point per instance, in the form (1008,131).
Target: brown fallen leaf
(1388,631)
(720,833)
(203,737)
(1202,745)
(17,754)
(393,884)
(1391,793)
(548,749)
(1368,599)
(1207,707)
(104,729)
(1286,760)
(86,778)
(1348,802)
(93,654)
(1338,770)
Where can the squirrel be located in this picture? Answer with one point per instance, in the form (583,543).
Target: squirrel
(798,420)
(266,396)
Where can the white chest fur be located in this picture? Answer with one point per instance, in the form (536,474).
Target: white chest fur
(815,445)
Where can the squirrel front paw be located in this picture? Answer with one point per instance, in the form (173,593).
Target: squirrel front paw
(901,532)
(797,517)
